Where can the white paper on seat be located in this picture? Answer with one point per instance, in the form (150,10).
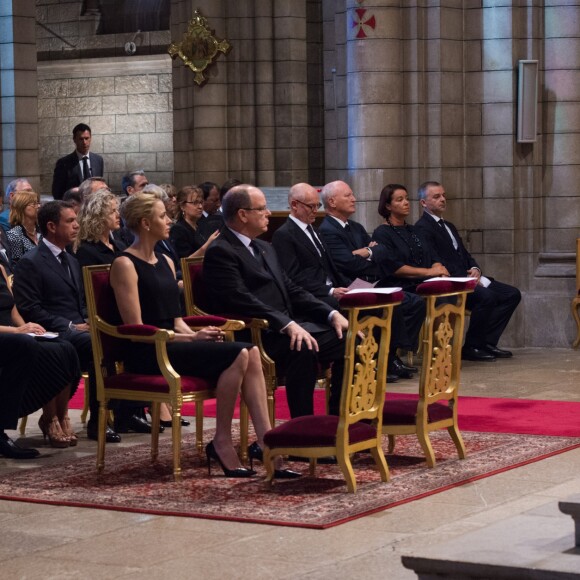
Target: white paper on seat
(374,290)
(450,279)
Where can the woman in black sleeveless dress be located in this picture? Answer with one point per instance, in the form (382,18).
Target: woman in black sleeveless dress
(54,377)
(147,293)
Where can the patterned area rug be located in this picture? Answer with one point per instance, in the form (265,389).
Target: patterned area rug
(132,483)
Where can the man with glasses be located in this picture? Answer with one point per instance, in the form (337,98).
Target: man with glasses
(302,253)
(244,277)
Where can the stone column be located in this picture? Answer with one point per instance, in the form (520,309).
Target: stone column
(18,92)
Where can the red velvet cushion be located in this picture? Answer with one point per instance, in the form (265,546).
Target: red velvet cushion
(403,412)
(314,431)
(444,287)
(137,329)
(370,299)
(154,383)
(205,320)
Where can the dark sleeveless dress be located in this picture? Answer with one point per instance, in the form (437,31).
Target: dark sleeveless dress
(159,300)
(55,367)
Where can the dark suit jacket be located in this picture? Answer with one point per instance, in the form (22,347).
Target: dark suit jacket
(185,239)
(208,225)
(45,294)
(238,284)
(5,260)
(456,261)
(341,247)
(68,173)
(304,265)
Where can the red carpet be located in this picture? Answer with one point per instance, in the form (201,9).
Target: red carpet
(481,414)
(132,483)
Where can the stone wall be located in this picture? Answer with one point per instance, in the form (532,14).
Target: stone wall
(428,90)
(126,100)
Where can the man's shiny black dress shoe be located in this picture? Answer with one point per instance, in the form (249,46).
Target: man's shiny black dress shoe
(184,423)
(396,367)
(255,452)
(136,424)
(11,450)
(110,435)
(498,352)
(404,366)
(476,354)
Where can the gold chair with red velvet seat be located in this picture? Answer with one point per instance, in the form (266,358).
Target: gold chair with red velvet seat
(576,300)
(442,338)
(358,426)
(113,382)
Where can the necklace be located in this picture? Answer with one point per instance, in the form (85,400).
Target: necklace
(31,234)
(411,241)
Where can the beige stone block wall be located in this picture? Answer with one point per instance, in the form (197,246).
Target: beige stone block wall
(127,102)
(18,91)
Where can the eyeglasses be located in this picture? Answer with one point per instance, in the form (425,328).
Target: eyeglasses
(263,208)
(198,202)
(35,203)
(310,206)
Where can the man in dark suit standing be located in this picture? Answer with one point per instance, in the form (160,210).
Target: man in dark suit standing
(48,290)
(492,303)
(244,277)
(302,253)
(357,257)
(70,171)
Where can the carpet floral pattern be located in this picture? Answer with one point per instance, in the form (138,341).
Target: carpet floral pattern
(132,483)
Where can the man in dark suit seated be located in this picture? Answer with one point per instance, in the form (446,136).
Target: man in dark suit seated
(302,253)
(244,277)
(357,257)
(492,303)
(48,290)
(71,170)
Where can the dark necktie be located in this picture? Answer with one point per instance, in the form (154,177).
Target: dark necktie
(316,241)
(65,264)
(441,223)
(256,251)
(350,235)
(86,170)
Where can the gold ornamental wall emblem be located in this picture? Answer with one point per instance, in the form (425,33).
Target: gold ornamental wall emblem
(199,47)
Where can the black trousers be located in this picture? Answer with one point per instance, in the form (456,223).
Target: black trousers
(301,367)
(17,362)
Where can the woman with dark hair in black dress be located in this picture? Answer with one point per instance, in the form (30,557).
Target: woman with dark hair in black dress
(409,260)
(51,382)
(147,293)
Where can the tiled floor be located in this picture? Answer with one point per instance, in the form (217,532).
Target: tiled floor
(61,542)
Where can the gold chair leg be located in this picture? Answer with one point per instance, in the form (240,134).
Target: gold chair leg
(199,426)
(155,416)
(23,422)
(85,411)
(425,442)
(269,465)
(271,390)
(312,467)
(102,436)
(392,441)
(176,442)
(576,315)
(347,471)
(381,463)
(458,440)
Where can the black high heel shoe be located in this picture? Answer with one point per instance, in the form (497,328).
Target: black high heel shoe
(168,424)
(255,452)
(211,453)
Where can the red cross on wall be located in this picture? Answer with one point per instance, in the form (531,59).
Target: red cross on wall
(362,22)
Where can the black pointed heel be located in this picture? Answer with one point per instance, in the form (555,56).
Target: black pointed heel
(256,452)
(211,453)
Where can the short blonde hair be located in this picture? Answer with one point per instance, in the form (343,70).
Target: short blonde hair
(136,207)
(20,201)
(93,215)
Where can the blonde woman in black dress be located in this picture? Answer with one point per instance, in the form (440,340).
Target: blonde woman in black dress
(147,293)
